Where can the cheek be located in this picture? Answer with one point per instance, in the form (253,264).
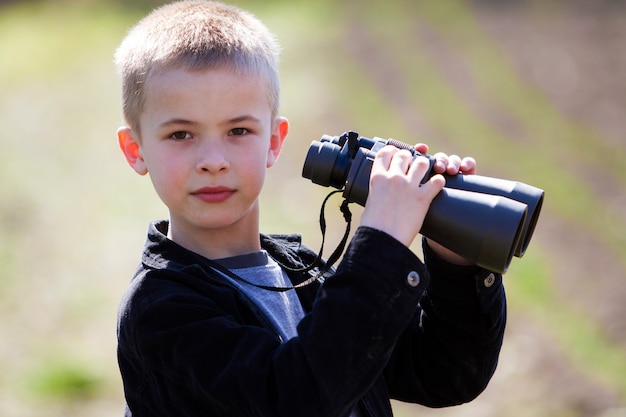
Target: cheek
(257,173)
(166,175)
(163,184)
(254,169)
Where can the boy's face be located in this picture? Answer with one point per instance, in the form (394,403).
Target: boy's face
(207,138)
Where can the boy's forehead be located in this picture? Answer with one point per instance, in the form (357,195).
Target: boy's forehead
(218,80)
(179,89)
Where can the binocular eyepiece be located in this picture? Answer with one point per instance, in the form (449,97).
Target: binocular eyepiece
(485,220)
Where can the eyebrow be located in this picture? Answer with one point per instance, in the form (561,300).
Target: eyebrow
(177,121)
(235,120)
(244,118)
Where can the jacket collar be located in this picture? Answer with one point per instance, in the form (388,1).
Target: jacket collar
(161,252)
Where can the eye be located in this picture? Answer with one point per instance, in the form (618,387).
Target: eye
(180,135)
(238,131)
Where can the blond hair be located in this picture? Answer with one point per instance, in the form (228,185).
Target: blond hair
(194,35)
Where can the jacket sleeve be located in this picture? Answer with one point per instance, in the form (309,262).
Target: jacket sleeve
(449,352)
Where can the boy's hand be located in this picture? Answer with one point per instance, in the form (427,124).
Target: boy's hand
(450,165)
(397,203)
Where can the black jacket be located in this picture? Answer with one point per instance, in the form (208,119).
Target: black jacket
(383,326)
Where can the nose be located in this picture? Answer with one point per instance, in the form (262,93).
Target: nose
(211,157)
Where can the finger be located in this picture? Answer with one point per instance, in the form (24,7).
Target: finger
(468,165)
(401,161)
(454,164)
(441,162)
(421,148)
(383,158)
(419,168)
(434,185)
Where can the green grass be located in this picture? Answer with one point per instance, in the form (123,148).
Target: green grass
(39,41)
(531,293)
(64,380)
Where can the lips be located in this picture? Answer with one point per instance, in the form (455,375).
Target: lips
(213,194)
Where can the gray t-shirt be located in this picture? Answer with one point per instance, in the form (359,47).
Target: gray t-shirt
(282,308)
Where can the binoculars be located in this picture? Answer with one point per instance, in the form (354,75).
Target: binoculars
(485,220)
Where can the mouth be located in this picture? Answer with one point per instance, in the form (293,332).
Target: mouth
(213,194)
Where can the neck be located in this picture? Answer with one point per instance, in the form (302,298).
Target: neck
(215,243)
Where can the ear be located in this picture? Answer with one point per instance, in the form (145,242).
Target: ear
(131,149)
(279,133)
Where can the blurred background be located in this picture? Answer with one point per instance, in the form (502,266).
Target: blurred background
(534,90)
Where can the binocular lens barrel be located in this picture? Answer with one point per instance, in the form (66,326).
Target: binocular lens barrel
(485,229)
(531,196)
(324,167)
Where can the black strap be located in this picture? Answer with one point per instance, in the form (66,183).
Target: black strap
(347,215)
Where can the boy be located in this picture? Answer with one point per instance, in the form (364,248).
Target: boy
(210,324)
